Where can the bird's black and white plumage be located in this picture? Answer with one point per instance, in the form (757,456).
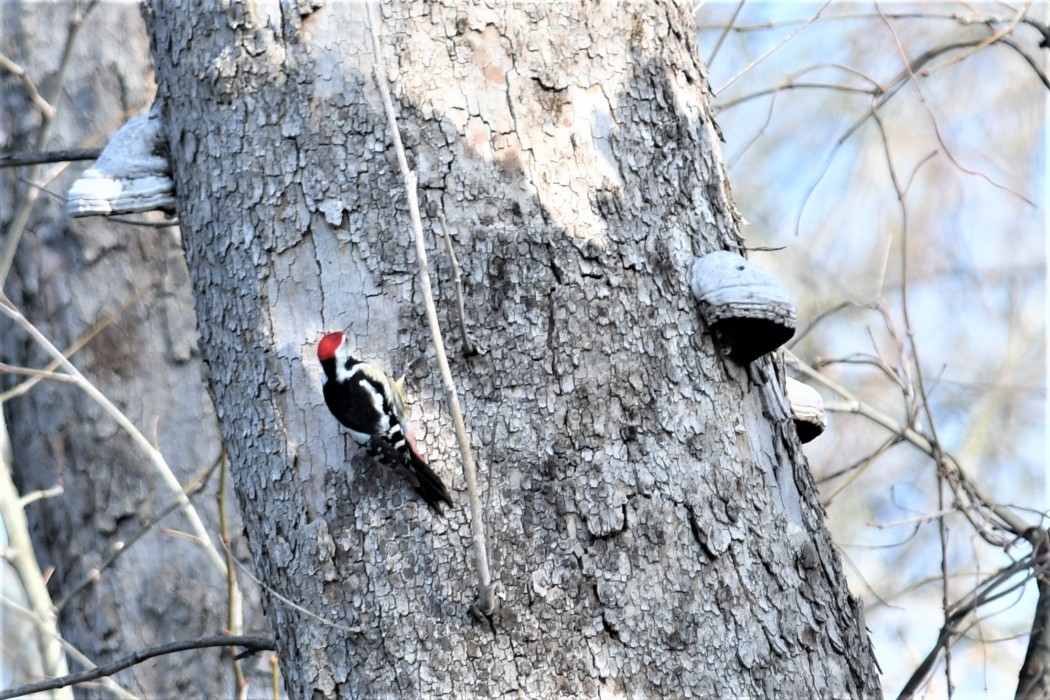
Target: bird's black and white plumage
(372,407)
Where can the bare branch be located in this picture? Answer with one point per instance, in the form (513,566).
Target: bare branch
(910,70)
(1032,63)
(35,373)
(34,496)
(773,50)
(791,85)
(895,84)
(858,468)
(293,605)
(965,19)
(1008,519)
(725,32)
(252,642)
(13,160)
(1033,682)
(42,106)
(993,38)
(987,591)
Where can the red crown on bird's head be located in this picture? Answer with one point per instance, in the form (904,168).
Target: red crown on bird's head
(329,344)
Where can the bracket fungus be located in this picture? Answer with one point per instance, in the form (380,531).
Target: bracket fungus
(749,311)
(133,173)
(807,410)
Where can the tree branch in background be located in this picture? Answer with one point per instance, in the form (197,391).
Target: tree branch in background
(992,38)
(909,329)
(968,493)
(773,50)
(18,221)
(248,642)
(12,160)
(910,71)
(989,590)
(23,559)
(37,100)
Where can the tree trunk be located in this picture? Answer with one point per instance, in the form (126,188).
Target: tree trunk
(67,278)
(652,524)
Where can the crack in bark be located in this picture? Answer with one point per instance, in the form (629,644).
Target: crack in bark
(698,533)
(610,629)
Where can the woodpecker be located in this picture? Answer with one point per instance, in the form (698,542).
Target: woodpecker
(372,406)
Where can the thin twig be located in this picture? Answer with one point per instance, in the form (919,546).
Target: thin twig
(791,85)
(253,642)
(986,592)
(992,38)
(292,604)
(275,677)
(773,50)
(933,120)
(958,17)
(1032,63)
(898,82)
(167,223)
(486,600)
(99,326)
(725,33)
(468,347)
(918,520)
(859,469)
(35,373)
(909,329)
(42,106)
(1010,521)
(234,614)
(824,315)
(40,495)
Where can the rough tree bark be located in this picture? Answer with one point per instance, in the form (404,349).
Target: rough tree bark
(66,278)
(652,523)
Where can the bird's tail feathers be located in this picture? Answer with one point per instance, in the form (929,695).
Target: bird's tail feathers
(406,461)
